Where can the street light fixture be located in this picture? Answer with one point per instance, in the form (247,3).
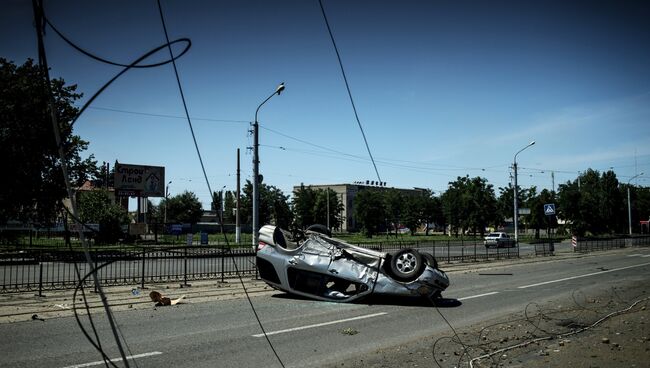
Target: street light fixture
(515,193)
(256,169)
(629,207)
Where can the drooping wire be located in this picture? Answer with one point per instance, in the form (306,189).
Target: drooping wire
(180,88)
(42,57)
(347,86)
(166,115)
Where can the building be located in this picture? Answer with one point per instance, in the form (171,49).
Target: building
(347,193)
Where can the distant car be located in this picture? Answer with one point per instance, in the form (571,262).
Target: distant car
(315,265)
(499,240)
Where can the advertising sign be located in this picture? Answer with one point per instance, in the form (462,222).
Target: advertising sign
(139,180)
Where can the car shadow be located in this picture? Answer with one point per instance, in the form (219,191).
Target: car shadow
(410,301)
(402,301)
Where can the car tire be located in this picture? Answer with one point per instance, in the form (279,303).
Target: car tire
(430,260)
(406,264)
(322,229)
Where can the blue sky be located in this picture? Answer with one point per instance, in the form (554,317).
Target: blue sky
(442,88)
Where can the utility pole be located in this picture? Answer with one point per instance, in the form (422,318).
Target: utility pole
(516,219)
(629,204)
(328,207)
(237,224)
(553,181)
(256,170)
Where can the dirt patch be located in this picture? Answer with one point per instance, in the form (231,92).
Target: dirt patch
(609,328)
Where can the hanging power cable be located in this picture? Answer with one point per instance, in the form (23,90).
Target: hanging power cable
(347,86)
(39,22)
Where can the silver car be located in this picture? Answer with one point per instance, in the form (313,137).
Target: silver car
(315,265)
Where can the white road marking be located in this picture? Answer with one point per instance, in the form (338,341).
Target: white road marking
(321,324)
(478,296)
(130,357)
(635,255)
(645,256)
(581,276)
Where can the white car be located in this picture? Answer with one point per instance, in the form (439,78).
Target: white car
(320,267)
(498,240)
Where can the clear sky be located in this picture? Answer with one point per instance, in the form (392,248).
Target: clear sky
(442,88)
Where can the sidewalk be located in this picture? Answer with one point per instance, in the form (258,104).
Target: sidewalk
(15,307)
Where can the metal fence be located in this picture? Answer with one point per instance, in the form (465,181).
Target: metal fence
(24,268)
(47,269)
(599,244)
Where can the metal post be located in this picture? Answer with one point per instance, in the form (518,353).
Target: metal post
(516,209)
(223,257)
(237,224)
(256,170)
(143,269)
(629,206)
(328,207)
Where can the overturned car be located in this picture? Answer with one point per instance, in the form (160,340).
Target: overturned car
(315,265)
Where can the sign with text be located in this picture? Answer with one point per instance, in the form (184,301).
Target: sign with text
(140,180)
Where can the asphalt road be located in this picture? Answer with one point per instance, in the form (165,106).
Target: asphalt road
(311,333)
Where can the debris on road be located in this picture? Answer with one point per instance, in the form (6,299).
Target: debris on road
(163,300)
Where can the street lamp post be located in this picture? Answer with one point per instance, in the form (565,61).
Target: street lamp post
(166,198)
(629,206)
(222,204)
(256,169)
(516,214)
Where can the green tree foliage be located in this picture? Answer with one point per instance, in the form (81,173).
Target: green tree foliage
(505,203)
(394,204)
(640,207)
(593,204)
(537,219)
(370,211)
(183,208)
(469,204)
(95,207)
(303,203)
(33,187)
(432,211)
(230,207)
(273,206)
(309,207)
(335,208)
(413,212)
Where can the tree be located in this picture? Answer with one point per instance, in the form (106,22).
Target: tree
(469,204)
(95,207)
(537,219)
(413,212)
(320,208)
(183,208)
(370,211)
(273,205)
(303,204)
(230,208)
(593,203)
(394,205)
(33,187)
(432,212)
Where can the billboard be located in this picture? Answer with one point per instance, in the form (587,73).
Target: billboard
(139,180)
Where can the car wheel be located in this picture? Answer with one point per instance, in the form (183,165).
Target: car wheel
(430,260)
(318,228)
(406,264)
